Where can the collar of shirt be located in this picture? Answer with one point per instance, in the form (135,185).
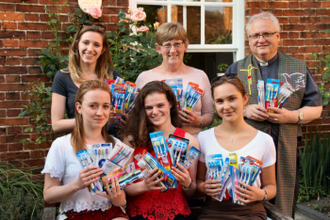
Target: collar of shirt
(268,62)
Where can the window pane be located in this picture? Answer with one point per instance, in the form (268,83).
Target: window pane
(218,25)
(155,13)
(194,24)
(177,14)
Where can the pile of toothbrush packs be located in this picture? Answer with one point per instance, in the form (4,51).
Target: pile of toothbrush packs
(276,93)
(105,156)
(123,97)
(168,153)
(229,171)
(187,99)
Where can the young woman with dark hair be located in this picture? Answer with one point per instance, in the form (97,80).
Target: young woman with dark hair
(156,110)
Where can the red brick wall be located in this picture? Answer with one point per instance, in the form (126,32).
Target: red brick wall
(23,31)
(302,32)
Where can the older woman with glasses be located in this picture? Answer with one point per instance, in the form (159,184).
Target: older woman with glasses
(89,59)
(172,43)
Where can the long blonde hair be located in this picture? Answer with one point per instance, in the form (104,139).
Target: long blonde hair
(78,134)
(104,66)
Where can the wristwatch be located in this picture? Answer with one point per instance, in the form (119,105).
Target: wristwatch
(300,116)
(265,195)
(201,122)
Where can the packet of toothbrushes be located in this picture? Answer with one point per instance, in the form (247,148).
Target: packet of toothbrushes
(272,91)
(149,162)
(99,153)
(130,90)
(225,180)
(192,97)
(86,161)
(118,104)
(177,88)
(125,179)
(261,93)
(192,155)
(161,150)
(119,80)
(214,164)
(117,157)
(178,147)
(131,105)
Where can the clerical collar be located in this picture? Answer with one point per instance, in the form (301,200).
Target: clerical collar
(269,61)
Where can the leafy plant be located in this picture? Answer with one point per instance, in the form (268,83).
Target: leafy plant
(314,167)
(21,198)
(324,64)
(222,67)
(132,47)
(38,108)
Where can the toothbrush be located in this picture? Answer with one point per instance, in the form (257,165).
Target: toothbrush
(85,159)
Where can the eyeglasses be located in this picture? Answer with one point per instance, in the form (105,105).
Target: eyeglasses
(265,35)
(176,45)
(229,76)
(89,25)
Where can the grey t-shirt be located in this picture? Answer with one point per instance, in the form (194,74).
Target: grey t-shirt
(312,96)
(63,85)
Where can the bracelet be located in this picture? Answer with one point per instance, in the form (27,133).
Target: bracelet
(187,188)
(123,207)
(265,197)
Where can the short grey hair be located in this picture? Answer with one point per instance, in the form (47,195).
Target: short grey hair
(263,15)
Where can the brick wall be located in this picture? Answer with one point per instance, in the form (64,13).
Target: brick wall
(23,31)
(303,23)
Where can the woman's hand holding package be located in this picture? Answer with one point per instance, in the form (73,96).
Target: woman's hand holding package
(249,193)
(88,176)
(182,175)
(212,187)
(152,180)
(190,118)
(116,195)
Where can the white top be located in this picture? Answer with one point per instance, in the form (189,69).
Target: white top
(204,105)
(63,163)
(260,147)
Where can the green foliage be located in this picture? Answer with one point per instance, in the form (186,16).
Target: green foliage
(51,58)
(133,52)
(314,168)
(40,102)
(21,198)
(324,64)
(222,67)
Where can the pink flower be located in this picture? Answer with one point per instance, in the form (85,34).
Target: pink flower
(128,16)
(156,24)
(129,11)
(143,29)
(94,11)
(138,15)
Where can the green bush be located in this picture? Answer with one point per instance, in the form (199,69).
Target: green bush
(314,168)
(21,198)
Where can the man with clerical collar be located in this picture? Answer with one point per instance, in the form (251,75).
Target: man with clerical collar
(303,106)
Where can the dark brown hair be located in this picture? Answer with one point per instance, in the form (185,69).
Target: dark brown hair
(78,134)
(229,78)
(138,126)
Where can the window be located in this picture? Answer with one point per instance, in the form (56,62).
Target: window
(213,26)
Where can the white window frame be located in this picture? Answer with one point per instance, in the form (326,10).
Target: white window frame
(237,46)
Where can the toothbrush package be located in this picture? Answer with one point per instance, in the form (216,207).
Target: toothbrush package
(99,153)
(126,176)
(177,88)
(272,91)
(117,157)
(161,150)
(191,156)
(149,163)
(192,96)
(178,147)
(86,161)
